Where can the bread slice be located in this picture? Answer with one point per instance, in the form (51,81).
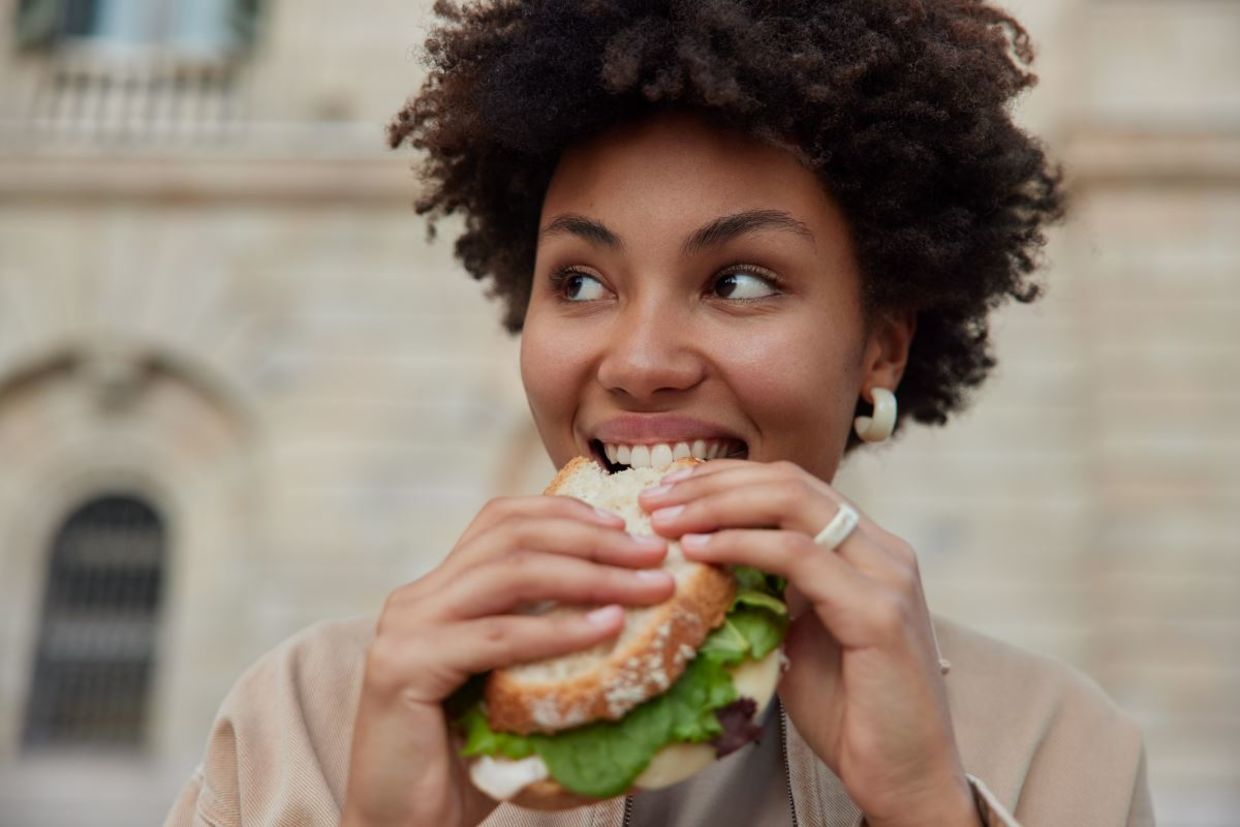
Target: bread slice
(651,651)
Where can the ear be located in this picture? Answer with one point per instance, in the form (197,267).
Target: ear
(886,350)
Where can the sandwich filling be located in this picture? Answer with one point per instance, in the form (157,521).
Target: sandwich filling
(602,758)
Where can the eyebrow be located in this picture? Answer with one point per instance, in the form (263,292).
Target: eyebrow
(712,234)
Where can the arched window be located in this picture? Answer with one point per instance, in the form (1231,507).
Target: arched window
(97,638)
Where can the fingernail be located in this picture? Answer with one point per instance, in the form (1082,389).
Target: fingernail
(667,513)
(656,490)
(694,541)
(677,475)
(647,541)
(653,576)
(604,616)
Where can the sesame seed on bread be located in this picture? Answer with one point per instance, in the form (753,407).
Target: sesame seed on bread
(651,651)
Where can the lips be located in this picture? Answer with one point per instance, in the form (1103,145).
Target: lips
(649,429)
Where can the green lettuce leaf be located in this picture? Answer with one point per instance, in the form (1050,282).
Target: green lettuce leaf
(762,629)
(749,578)
(761,600)
(726,644)
(480,739)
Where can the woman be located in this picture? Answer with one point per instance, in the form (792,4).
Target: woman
(751,222)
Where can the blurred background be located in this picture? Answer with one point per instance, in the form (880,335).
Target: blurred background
(240,392)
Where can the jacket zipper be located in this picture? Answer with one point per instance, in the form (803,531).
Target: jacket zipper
(783,752)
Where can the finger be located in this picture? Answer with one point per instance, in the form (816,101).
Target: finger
(524,577)
(787,502)
(777,495)
(891,561)
(570,537)
(510,639)
(500,508)
(433,670)
(711,467)
(737,473)
(789,554)
(878,553)
(691,488)
(854,607)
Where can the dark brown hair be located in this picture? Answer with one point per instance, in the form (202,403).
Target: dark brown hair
(899,106)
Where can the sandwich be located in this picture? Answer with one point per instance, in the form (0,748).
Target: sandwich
(681,685)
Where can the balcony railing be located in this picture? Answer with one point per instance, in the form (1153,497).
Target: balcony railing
(91,96)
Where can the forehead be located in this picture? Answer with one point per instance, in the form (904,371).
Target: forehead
(672,172)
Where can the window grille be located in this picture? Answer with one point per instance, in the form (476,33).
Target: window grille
(97,638)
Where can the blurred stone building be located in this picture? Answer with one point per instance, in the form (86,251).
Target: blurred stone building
(240,393)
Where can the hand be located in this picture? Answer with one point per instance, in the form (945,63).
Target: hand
(459,620)
(864,687)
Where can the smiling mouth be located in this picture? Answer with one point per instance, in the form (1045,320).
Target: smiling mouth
(615,457)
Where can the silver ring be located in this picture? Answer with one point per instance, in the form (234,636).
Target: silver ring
(837,531)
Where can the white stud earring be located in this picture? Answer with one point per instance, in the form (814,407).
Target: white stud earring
(880,426)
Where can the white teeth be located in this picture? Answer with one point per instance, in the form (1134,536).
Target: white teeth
(662,454)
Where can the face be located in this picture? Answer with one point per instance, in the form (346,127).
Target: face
(693,284)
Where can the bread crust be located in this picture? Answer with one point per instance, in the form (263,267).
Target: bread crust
(648,662)
(571,469)
(549,795)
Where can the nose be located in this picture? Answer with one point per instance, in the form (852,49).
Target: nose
(650,349)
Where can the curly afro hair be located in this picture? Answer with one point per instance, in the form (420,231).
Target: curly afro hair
(900,107)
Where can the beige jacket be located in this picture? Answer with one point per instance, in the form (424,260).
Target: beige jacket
(1041,743)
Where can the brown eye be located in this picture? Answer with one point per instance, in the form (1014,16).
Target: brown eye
(743,286)
(576,286)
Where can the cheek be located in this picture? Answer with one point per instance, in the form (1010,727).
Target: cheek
(797,382)
(550,365)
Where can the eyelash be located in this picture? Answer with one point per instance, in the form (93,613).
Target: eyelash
(561,276)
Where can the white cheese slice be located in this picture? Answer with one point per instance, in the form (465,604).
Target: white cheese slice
(674,763)
(503,778)
(757,679)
